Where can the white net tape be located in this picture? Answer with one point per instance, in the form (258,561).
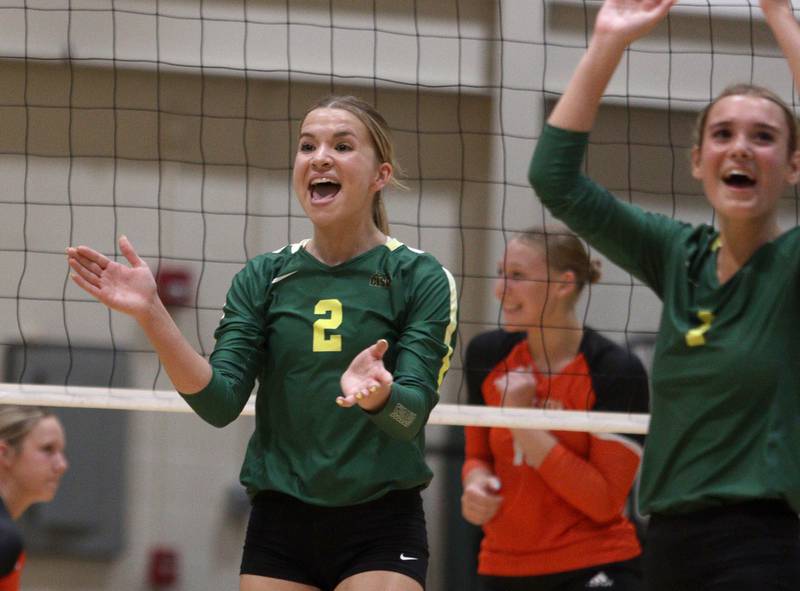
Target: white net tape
(443,414)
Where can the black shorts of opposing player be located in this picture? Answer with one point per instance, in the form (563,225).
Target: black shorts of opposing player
(322,546)
(619,576)
(748,546)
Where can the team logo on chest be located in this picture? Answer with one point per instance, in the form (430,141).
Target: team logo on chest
(380,280)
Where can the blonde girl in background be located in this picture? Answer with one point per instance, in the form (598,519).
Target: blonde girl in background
(32,462)
(551,503)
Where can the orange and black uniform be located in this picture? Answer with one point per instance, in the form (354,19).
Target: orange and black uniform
(567,514)
(12,555)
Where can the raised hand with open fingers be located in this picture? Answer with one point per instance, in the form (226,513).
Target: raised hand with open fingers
(366,382)
(629,20)
(128,289)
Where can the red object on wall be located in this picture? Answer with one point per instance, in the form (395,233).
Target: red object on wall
(163,572)
(174,286)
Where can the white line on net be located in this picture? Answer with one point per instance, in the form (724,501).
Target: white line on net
(443,414)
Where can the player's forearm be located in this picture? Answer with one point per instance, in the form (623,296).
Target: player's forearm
(596,486)
(577,108)
(535,445)
(477,452)
(189,371)
(787,33)
(405,412)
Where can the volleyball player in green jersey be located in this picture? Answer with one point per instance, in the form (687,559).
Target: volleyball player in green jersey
(721,469)
(349,334)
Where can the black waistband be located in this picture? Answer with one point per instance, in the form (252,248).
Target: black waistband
(275,498)
(775,507)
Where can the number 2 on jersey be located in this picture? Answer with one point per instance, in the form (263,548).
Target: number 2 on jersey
(332,309)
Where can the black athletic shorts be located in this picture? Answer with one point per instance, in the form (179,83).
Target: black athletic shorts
(619,576)
(748,546)
(321,546)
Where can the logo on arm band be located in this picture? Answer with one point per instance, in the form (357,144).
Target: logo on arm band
(403,415)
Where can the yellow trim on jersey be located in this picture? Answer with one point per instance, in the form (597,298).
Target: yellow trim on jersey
(294,246)
(451,327)
(392,243)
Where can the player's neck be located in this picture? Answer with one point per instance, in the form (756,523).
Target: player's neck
(738,242)
(554,347)
(14,502)
(337,248)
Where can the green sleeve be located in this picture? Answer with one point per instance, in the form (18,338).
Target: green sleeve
(423,352)
(635,240)
(239,346)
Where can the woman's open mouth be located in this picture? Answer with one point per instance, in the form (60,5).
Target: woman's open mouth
(739,179)
(323,189)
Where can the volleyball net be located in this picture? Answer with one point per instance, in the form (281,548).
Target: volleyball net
(174,123)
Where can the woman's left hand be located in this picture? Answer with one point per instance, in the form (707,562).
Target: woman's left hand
(366,382)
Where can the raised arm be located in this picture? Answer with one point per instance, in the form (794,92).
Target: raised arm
(786,30)
(618,24)
(132,290)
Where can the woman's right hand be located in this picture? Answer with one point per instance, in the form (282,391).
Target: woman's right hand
(517,387)
(480,501)
(132,290)
(628,20)
(128,289)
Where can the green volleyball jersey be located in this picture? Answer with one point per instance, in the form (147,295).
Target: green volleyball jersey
(294,324)
(726,370)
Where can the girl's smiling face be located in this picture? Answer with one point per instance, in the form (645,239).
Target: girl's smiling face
(336,169)
(744,160)
(523,287)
